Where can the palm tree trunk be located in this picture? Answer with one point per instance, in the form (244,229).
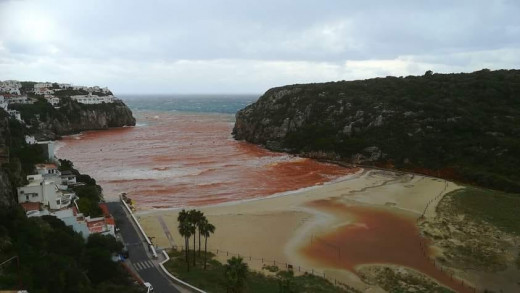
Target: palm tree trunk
(194,248)
(186,248)
(199,242)
(205,250)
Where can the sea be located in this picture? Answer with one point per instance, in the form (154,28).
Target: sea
(181,154)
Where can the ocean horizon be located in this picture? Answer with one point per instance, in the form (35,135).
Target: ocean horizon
(192,103)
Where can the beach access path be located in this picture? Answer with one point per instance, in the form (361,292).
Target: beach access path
(140,261)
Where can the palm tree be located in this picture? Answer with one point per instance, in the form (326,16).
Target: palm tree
(199,220)
(235,273)
(183,215)
(185,229)
(194,217)
(206,229)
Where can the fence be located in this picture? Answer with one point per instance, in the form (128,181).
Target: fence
(281,265)
(150,245)
(436,198)
(297,269)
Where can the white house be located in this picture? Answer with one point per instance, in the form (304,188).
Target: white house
(43,191)
(92,99)
(44,169)
(42,85)
(16,99)
(64,85)
(3,103)
(54,101)
(68,178)
(10,87)
(15,114)
(29,139)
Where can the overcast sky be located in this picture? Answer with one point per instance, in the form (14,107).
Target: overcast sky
(242,46)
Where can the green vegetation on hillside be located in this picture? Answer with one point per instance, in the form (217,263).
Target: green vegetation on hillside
(475,229)
(89,194)
(54,258)
(499,209)
(457,126)
(213,278)
(42,254)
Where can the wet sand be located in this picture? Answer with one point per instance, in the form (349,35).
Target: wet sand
(368,218)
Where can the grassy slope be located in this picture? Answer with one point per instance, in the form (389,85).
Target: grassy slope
(494,207)
(212,279)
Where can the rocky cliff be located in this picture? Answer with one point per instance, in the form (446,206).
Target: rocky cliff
(460,126)
(6,187)
(71,117)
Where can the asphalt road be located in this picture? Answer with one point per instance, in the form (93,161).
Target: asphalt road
(137,248)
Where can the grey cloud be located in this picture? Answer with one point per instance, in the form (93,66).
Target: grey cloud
(448,34)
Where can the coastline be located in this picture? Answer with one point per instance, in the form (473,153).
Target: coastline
(278,227)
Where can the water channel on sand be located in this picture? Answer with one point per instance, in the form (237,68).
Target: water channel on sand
(373,236)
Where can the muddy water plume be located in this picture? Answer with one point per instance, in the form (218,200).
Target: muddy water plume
(174,159)
(368,235)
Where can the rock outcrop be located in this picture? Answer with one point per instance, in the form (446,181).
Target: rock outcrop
(6,187)
(46,122)
(459,126)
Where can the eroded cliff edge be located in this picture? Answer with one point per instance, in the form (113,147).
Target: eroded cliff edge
(457,126)
(47,122)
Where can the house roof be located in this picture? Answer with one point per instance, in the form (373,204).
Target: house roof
(104,208)
(46,166)
(110,221)
(30,206)
(96,226)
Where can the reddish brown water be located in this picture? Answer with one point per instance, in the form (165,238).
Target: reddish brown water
(179,159)
(376,236)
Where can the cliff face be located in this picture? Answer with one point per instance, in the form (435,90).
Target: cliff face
(72,117)
(460,126)
(6,187)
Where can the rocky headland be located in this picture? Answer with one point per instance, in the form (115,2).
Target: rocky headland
(462,127)
(47,122)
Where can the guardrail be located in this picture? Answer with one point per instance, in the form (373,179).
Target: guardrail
(150,245)
(161,264)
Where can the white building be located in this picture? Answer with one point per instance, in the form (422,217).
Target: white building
(10,87)
(54,101)
(16,99)
(64,85)
(92,99)
(42,85)
(45,192)
(29,139)
(15,114)
(68,178)
(3,103)
(44,169)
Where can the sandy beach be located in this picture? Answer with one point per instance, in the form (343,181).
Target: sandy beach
(277,228)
